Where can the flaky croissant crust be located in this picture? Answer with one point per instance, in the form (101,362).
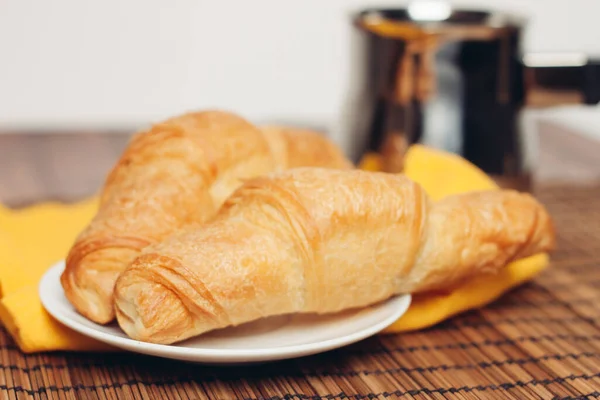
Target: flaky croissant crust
(318,240)
(177,173)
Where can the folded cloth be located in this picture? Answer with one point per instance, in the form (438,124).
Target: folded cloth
(31,240)
(34,238)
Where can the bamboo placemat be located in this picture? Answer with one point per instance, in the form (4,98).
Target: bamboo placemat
(541,341)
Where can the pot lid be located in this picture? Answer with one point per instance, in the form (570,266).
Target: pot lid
(437,17)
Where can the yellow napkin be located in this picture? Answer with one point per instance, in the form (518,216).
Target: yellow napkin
(31,240)
(34,238)
(442,174)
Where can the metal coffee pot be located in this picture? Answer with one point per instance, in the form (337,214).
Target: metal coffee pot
(457,80)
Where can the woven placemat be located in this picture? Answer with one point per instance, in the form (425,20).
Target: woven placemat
(541,341)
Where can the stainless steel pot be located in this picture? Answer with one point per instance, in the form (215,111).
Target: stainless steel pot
(458,80)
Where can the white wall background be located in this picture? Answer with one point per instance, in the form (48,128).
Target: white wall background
(114,63)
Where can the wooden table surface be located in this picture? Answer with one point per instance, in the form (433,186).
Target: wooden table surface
(540,341)
(69,166)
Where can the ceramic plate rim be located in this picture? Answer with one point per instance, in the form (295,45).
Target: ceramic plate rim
(51,278)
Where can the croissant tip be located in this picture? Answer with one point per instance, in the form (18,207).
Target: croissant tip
(88,300)
(148,311)
(92,267)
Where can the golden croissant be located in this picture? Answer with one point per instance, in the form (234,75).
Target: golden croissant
(176,173)
(314,240)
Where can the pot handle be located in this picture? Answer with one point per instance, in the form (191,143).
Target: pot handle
(559,78)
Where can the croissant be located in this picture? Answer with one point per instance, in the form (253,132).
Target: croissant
(314,240)
(175,174)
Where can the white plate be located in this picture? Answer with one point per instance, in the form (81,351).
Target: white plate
(268,339)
